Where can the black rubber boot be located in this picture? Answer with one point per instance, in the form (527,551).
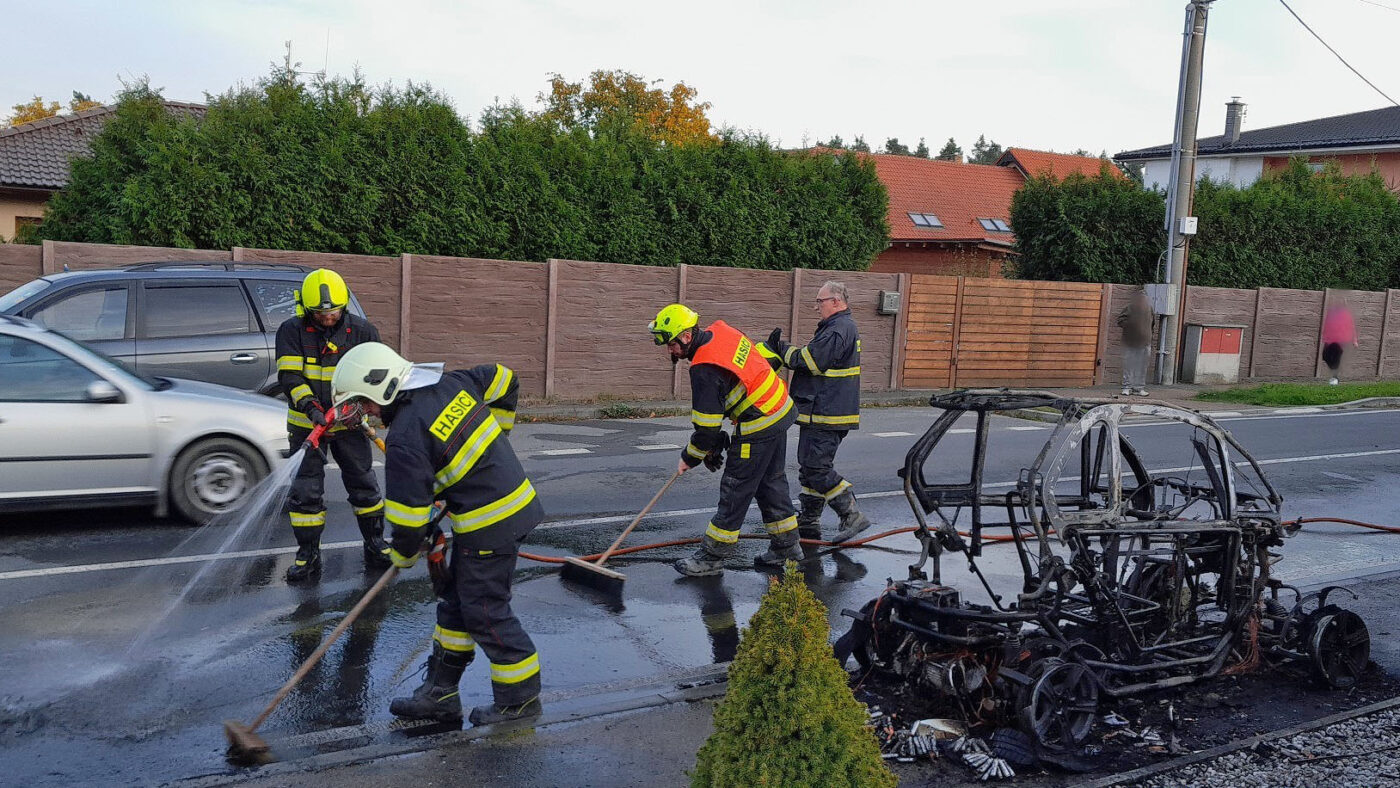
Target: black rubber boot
(778,556)
(492,713)
(809,518)
(436,698)
(702,564)
(376,549)
(852,521)
(307,564)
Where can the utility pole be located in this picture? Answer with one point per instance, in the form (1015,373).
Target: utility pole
(1182,187)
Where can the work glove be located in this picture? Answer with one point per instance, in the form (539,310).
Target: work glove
(403,561)
(315,412)
(714,460)
(776,344)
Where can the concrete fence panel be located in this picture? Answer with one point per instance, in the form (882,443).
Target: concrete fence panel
(376,281)
(601,344)
(1288,324)
(19,263)
(468,311)
(80,256)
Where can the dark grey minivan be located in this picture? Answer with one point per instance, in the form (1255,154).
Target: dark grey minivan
(207,321)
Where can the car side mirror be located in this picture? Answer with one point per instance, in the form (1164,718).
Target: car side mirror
(103,391)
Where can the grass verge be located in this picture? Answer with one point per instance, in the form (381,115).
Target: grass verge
(1286,394)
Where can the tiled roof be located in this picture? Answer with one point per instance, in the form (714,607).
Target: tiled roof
(1372,128)
(958,194)
(1059,165)
(35,155)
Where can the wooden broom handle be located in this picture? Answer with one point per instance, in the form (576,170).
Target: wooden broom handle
(643,513)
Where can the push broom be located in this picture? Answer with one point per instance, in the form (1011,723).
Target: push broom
(595,575)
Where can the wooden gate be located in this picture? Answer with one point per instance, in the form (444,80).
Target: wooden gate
(992,332)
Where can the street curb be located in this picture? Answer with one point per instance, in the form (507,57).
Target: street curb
(1237,745)
(695,686)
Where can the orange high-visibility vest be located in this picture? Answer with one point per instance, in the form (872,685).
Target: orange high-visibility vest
(729,349)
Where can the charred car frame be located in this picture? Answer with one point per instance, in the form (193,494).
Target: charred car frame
(1130,579)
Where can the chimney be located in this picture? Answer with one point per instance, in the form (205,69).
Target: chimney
(1234,119)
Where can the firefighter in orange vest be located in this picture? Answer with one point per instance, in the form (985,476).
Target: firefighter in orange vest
(730,377)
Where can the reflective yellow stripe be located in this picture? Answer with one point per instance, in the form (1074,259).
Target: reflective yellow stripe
(706,419)
(296,418)
(517,672)
(300,392)
(748,402)
(732,399)
(453,640)
(811,492)
(694,451)
(720,535)
(814,418)
(494,512)
(407,516)
(303,520)
(787,355)
(500,383)
(782,526)
(756,425)
(467,457)
(718,621)
(810,362)
(317,372)
(848,372)
(371,509)
(289,363)
(837,490)
(768,405)
(505,418)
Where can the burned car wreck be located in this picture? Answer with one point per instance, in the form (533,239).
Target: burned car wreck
(1123,579)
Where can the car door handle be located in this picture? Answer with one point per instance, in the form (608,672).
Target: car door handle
(243,358)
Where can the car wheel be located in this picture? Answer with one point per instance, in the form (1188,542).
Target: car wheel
(214,476)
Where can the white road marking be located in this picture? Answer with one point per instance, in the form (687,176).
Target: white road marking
(657,447)
(961,431)
(185,559)
(892,434)
(1026,429)
(561,452)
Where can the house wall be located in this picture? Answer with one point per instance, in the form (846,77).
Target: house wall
(1240,171)
(11,206)
(941,261)
(1388,164)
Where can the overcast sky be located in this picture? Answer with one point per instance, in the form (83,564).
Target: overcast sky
(1045,74)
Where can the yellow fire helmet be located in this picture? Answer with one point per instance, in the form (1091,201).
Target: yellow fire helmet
(323,290)
(671,322)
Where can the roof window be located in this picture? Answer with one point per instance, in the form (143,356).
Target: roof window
(994,225)
(925,220)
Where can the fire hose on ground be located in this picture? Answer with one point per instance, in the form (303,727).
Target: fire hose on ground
(866,542)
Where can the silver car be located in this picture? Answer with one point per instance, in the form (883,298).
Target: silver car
(80,429)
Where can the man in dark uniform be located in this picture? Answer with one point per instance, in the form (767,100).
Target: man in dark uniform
(308,348)
(826,387)
(446,443)
(730,378)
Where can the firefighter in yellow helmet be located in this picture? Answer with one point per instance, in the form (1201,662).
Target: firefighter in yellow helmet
(308,347)
(730,378)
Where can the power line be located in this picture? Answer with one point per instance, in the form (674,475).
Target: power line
(1381,5)
(1333,51)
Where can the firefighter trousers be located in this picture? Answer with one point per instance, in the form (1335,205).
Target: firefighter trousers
(816,462)
(478,613)
(306,505)
(753,469)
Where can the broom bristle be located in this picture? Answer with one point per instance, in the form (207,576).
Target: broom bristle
(577,570)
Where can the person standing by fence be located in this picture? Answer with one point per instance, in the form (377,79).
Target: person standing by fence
(1338,331)
(1135,321)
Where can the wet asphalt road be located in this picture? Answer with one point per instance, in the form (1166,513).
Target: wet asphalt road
(79,704)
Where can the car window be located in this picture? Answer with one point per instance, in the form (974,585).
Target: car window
(274,299)
(194,310)
(88,315)
(31,372)
(22,293)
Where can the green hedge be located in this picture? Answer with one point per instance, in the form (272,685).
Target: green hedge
(1293,228)
(340,168)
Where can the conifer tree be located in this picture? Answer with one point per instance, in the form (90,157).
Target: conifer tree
(789,718)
